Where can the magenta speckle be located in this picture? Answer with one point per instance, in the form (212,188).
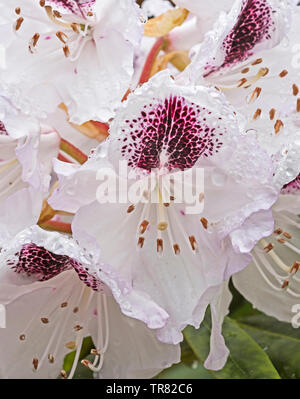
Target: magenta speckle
(254,25)
(173,134)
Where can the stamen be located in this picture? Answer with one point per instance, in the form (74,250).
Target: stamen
(255,94)
(258,61)
(269,247)
(272,114)
(295,90)
(51,358)
(143,226)
(176,249)
(63,374)
(18,10)
(44,320)
(141,241)
(245,70)
(283,73)
(278,125)
(62,37)
(287,235)
(162,226)
(204,223)
(159,245)
(35,362)
(257,114)
(64,305)
(278,231)
(66,51)
(298,105)
(22,337)
(19,23)
(130,209)
(285,284)
(193,242)
(71,345)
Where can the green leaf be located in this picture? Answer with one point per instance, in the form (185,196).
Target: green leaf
(247,360)
(280,341)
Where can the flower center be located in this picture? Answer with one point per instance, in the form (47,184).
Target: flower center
(72,35)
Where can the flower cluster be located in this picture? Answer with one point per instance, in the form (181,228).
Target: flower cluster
(149,154)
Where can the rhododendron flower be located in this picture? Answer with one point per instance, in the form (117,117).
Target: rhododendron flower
(27,149)
(61,51)
(177,259)
(274,271)
(54,298)
(250,54)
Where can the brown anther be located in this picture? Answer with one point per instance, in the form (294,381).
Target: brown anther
(258,61)
(70,345)
(257,114)
(75,27)
(66,51)
(75,310)
(255,94)
(295,90)
(42,3)
(204,223)
(283,73)
(287,235)
(162,226)
(130,209)
(86,363)
(166,204)
(278,231)
(19,23)
(57,14)
(51,358)
(193,243)
(35,39)
(281,240)
(63,374)
(18,10)
(285,284)
(278,125)
(172,198)
(143,226)
(44,320)
(95,352)
(176,249)
(141,241)
(298,105)
(62,37)
(78,327)
(64,305)
(89,14)
(242,82)
(35,362)
(272,113)
(245,70)
(269,247)
(295,267)
(22,337)
(159,245)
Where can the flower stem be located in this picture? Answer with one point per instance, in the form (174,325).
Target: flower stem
(73,151)
(53,225)
(160,44)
